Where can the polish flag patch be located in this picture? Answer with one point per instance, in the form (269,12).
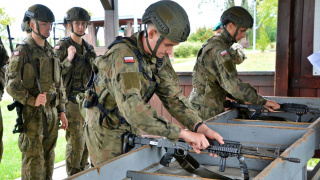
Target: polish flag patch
(16,53)
(128,59)
(57,47)
(223,53)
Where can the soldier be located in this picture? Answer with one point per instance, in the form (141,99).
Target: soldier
(217,29)
(127,76)
(3,61)
(215,75)
(34,80)
(76,57)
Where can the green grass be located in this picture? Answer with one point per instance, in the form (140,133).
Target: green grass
(11,161)
(255,62)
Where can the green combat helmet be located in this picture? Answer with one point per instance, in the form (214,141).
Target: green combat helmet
(38,12)
(171,21)
(239,16)
(76,14)
(25,27)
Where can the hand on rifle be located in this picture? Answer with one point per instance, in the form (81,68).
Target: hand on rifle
(41,100)
(272,105)
(64,121)
(71,52)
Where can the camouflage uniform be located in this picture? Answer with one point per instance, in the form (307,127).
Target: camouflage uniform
(75,77)
(215,77)
(3,60)
(37,150)
(122,81)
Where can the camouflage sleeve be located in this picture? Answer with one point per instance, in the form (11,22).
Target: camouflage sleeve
(3,61)
(223,68)
(173,99)
(61,51)
(62,97)
(124,83)
(14,85)
(93,56)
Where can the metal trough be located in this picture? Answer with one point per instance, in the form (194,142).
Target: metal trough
(143,163)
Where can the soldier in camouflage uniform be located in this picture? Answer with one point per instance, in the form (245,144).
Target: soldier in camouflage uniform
(215,76)
(33,79)
(128,74)
(3,61)
(76,57)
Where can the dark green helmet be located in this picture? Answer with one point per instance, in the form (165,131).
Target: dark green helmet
(76,14)
(25,27)
(238,15)
(170,19)
(39,12)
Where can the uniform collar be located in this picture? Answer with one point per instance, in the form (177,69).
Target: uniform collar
(226,38)
(29,40)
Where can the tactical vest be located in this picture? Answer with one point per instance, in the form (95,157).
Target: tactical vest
(99,101)
(77,77)
(47,68)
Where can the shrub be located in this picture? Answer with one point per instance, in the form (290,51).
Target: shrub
(263,40)
(187,49)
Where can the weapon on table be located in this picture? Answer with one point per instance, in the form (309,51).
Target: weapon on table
(289,111)
(10,39)
(18,127)
(180,150)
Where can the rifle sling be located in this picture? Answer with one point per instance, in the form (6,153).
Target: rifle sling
(193,166)
(44,119)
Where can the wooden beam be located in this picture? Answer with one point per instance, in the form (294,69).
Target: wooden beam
(107,4)
(283,48)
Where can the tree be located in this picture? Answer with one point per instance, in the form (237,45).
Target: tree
(5,20)
(201,35)
(264,39)
(268,12)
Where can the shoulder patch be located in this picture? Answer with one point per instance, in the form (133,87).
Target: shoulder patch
(223,53)
(16,53)
(57,47)
(128,59)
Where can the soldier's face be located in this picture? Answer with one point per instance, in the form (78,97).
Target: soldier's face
(165,47)
(79,27)
(44,27)
(231,28)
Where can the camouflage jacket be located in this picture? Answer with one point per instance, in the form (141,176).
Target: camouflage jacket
(77,72)
(21,80)
(3,61)
(121,84)
(215,76)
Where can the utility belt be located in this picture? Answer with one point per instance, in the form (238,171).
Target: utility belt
(92,100)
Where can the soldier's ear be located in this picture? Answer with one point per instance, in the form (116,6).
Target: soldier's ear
(152,33)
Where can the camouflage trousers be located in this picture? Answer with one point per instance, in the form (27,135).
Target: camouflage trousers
(76,149)
(206,112)
(1,133)
(103,144)
(38,152)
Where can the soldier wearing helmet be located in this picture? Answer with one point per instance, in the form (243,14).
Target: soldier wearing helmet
(215,76)
(128,74)
(34,80)
(76,57)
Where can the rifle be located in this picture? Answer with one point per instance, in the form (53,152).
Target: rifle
(10,39)
(18,127)
(289,111)
(180,150)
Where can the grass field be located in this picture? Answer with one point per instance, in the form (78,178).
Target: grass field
(11,161)
(256,61)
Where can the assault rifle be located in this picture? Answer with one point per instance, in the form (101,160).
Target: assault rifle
(289,111)
(180,149)
(10,39)
(18,127)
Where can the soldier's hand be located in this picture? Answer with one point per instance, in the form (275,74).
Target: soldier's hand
(71,52)
(41,100)
(64,121)
(209,133)
(196,140)
(272,105)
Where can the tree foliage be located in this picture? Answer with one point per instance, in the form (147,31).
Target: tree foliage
(268,12)
(264,39)
(5,20)
(202,35)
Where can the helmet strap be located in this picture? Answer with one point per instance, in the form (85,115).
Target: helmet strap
(154,51)
(39,33)
(233,38)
